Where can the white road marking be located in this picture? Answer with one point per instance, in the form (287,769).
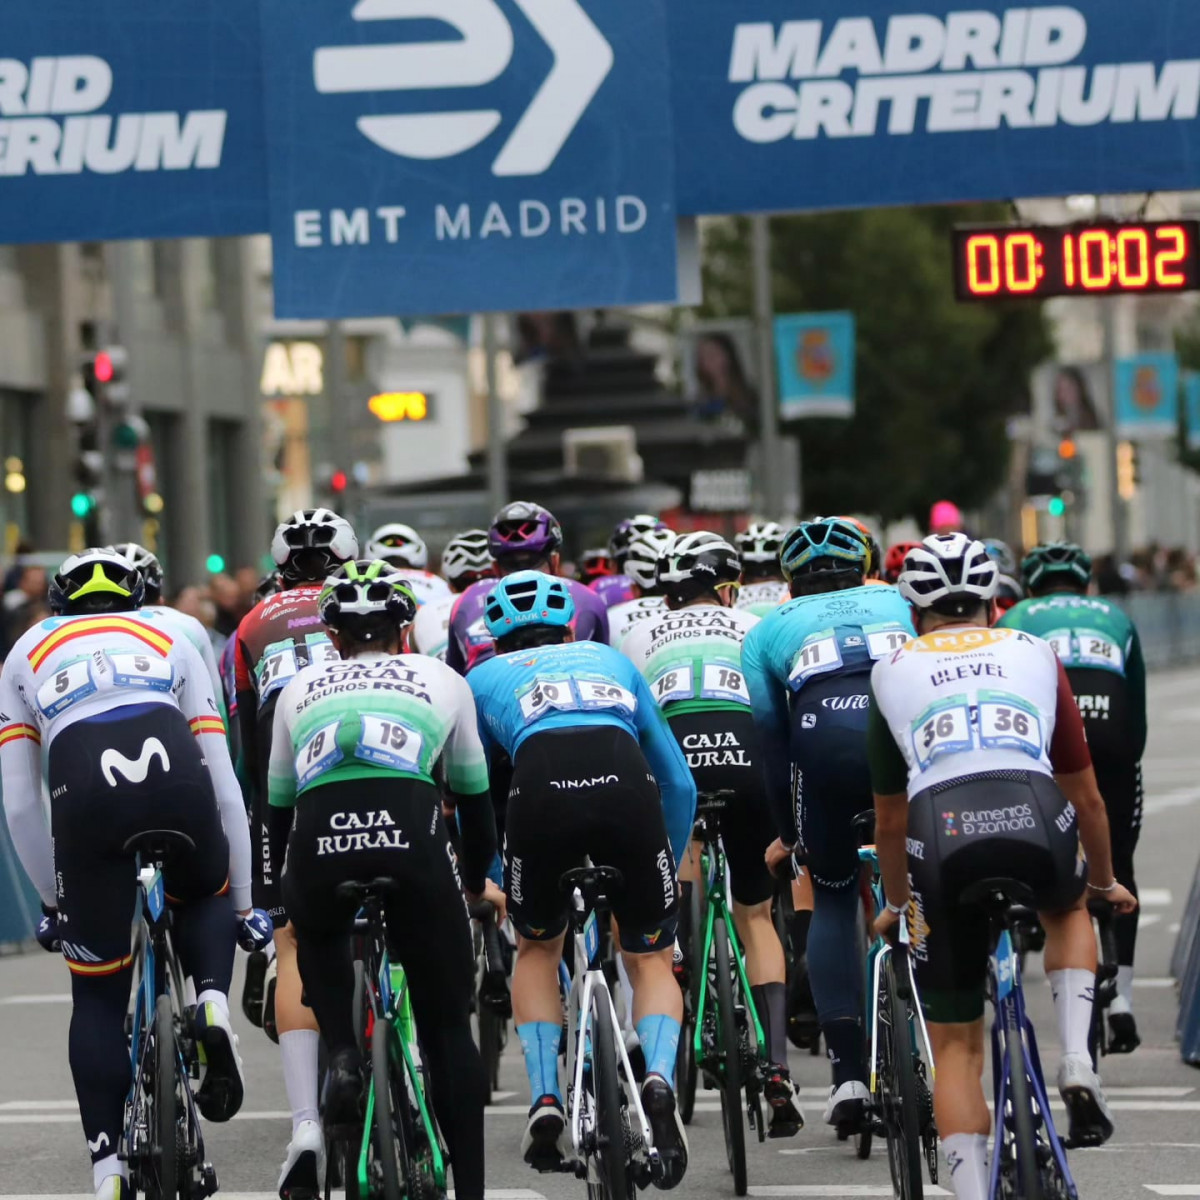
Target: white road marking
(1156,981)
(489,1194)
(833,1189)
(46,998)
(1179,798)
(1173,1189)
(1148,919)
(1160,1092)
(1154,897)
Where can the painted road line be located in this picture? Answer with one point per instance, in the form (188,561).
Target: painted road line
(1161,1093)
(1156,981)
(46,998)
(1179,798)
(489,1194)
(834,1189)
(1173,1189)
(1154,897)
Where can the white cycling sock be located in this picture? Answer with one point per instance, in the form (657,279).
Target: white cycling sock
(1073,989)
(300,1073)
(110,1164)
(1124,1001)
(218,998)
(966,1156)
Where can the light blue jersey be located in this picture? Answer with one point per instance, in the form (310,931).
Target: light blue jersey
(578,684)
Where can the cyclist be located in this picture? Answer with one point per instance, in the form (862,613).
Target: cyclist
(980,769)
(523,536)
(641,565)
(893,560)
(588,744)
(354,748)
(691,656)
(466,560)
(806,666)
(277,639)
(1008,590)
(405,549)
(763,584)
(619,589)
(594,565)
(122,715)
(1098,644)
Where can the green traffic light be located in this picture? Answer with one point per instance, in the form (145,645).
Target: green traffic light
(82,505)
(214,564)
(1057,506)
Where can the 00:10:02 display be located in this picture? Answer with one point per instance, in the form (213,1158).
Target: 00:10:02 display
(1093,260)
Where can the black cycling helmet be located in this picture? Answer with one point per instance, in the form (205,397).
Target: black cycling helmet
(148,564)
(96,581)
(696,564)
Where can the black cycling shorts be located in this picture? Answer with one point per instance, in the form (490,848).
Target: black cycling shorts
(579,792)
(268,894)
(364,829)
(1005,824)
(722,749)
(831,782)
(112,776)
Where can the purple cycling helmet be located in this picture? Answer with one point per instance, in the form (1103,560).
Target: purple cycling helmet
(526,530)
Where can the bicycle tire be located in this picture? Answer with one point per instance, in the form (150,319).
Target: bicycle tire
(902,1108)
(731,1075)
(686,1069)
(1024,1140)
(166,1100)
(610,1126)
(393,1156)
(491,1043)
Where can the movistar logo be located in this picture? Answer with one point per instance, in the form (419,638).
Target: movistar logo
(480,55)
(134,770)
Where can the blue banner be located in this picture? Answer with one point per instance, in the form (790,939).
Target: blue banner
(1147,396)
(432,156)
(130,118)
(854,103)
(1191,408)
(814,355)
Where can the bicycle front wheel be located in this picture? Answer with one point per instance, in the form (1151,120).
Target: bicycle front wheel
(611,1161)
(491,1045)
(731,1052)
(166,1101)
(901,1101)
(1019,1120)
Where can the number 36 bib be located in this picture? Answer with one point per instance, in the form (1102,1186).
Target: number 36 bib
(988,721)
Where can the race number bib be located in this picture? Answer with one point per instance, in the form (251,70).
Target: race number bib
(1060,641)
(675,684)
(1094,649)
(942,729)
(602,693)
(318,754)
(141,671)
(1008,723)
(883,640)
(820,653)
(563,693)
(275,669)
(724,682)
(70,683)
(390,744)
(320,650)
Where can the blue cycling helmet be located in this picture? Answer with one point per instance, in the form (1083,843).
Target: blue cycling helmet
(830,544)
(528,598)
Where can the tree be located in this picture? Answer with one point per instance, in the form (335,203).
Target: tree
(936,380)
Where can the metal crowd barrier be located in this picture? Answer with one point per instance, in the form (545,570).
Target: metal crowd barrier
(1168,624)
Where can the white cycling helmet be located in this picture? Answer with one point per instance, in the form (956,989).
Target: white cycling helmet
(146,562)
(312,543)
(950,573)
(468,554)
(641,558)
(400,545)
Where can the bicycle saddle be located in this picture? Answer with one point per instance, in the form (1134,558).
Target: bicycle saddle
(159,845)
(1006,899)
(864,825)
(597,885)
(360,892)
(712,803)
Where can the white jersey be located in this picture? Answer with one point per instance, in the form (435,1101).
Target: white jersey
(625,617)
(180,624)
(963,701)
(760,598)
(431,630)
(426,586)
(67,669)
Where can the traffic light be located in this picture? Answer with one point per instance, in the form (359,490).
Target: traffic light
(83,504)
(1128,470)
(1056,506)
(338,482)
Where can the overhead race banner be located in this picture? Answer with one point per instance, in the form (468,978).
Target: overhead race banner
(130,118)
(857,103)
(814,355)
(431,156)
(1147,396)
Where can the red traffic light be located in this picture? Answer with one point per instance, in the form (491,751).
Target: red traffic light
(338,482)
(103,367)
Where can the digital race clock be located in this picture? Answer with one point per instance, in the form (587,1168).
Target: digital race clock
(1037,261)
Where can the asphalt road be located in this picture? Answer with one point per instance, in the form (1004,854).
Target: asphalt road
(1156,1099)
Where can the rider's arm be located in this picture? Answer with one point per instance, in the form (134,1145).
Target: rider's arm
(769,703)
(1072,763)
(889,782)
(669,766)
(281,787)
(467,779)
(200,706)
(1135,680)
(247,713)
(204,648)
(21,781)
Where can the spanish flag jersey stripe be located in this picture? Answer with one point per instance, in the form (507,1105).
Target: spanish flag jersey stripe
(207,725)
(102,968)
(90,626)
(12,733)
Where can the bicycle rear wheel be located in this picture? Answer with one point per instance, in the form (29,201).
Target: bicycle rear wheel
(492,1029)
(901,1101)
(731,1052)
(1023,1143)
(392,1150)
(166,1101)
(611,1161)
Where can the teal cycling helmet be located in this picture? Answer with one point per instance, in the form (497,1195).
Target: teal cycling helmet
(528,598)
(1062,562)
(832,544)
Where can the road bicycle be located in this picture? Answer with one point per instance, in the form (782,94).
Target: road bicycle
(1029,1161)
(161,1139)
(493,1001)
(722,1039)
(901,1104)
(397,1152)
(610,1133)
(1106,979)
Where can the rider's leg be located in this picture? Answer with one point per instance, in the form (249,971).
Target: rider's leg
(1071,971)
(299,1036)
(537,1011)
(657,1009)
(767,971)
(959,1105)
(835,971)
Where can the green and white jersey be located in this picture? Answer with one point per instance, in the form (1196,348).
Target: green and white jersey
(762,597)
(375,715)
(692,657)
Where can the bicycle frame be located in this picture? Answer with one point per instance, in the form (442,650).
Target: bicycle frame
(590,980)
(1013,1031)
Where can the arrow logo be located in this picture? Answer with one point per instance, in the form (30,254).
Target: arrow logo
(134,770)
(583,59)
